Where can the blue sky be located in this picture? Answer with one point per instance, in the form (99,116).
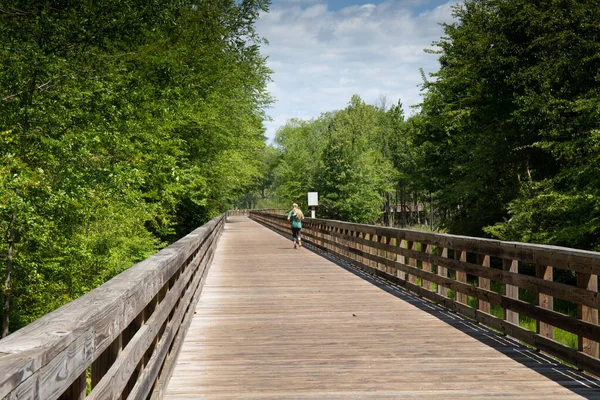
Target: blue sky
(324,51)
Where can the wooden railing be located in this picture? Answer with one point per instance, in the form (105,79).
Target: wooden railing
(120,339)
(448,269)
(246,211)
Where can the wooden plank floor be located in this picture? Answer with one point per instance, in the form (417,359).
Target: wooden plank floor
(279,323)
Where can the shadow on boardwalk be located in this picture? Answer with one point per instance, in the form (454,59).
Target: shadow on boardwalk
(577,382)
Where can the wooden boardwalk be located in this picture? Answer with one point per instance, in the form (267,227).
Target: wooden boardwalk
(279,323)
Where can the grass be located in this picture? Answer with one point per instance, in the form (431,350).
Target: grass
(565,307)
(561,336)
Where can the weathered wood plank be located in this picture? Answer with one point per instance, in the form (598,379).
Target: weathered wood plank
(588,344)
(544,301)
(461,276)
(427,267)
(484,283)
(442,271)
(145,382)
(115,380)
(511,291)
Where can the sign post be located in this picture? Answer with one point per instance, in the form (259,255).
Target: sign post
(313,202)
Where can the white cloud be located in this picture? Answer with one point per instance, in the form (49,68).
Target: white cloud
(321,55)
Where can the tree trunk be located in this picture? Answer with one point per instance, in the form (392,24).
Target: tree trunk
(389,210)
(402,208)
(395,211)
(417,208)
(431,210)
(9,268)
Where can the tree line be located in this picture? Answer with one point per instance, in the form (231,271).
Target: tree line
(123,126)
(505,144)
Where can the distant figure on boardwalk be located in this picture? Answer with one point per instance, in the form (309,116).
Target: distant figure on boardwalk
(295,217)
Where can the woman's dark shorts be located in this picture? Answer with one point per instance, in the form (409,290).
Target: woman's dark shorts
(296,233)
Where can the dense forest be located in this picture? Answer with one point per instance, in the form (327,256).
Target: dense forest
(125,126)
(505,144)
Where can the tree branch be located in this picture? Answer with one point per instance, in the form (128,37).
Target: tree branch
(46,85)
(14,12)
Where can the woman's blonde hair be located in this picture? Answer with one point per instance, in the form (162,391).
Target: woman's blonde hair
(297,212)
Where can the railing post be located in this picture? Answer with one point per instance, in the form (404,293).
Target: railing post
(511,291)
(443,272)
(588,314)
(348,243)
(402,259)
(483,283)
(460,276)
(412,261)
(381,253)
(367,249)
(545,301)
(391,256)
(426,267)
(351,244)
(363,247)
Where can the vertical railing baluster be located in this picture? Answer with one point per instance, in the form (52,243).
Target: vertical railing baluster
(390,255)
(381,253)
(588,314)
(460,276)
(364,248)
(369,237)
(511,291)
(412,278)
(545,301)
(402,258)
(442,271)
(483,283)
(425,266)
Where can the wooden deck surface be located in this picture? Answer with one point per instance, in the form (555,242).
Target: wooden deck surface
(279,323)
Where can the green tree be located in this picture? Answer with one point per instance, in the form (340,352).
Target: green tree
(508,127)
(121,127)
(557,97)
(353,173)
(300,145)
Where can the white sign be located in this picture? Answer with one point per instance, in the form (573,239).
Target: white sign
(313,199)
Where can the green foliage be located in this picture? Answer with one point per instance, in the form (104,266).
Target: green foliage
(122,127)
(340,155)
(542,214)
(300,145)
(509,126)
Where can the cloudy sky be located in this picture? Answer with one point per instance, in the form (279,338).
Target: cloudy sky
(324,51)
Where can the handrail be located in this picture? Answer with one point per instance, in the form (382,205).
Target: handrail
(246,211)
(125,334)
(429,264)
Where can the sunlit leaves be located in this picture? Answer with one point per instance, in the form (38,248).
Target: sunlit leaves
(122,127)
